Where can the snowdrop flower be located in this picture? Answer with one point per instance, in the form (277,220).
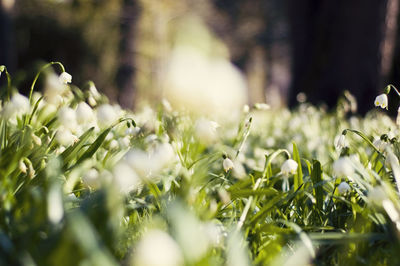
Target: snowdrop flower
(18,105)
(36,140)
(132,131)
(149,164)
(340,142)
(380,144)
(262,106)
(65,78)
(91,179)
(343,188)
(227,164)
(206,130)
(67,118)
(55,208)
(106,115)
(289,167)
(65,137)
(381,101)
(54,88)
(125,177)
(157,248)
(342,167)
(113,145)
(398,117)
(203,84)
(22,166)
(377,195)
(84,113)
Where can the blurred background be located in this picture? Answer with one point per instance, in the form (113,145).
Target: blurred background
(289,51)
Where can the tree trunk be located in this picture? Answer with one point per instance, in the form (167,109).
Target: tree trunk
(7,53)
(336,47)
(126,71)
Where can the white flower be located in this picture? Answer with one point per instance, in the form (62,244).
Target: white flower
(206,130)
(94,92)
(246,109)
(340,142)
(54,88)
(36,139)
(343,188)
(262,106)
(84,113)
(377,195)
(55,208)
(398,117)
(91,179)
(125,177)
(380,144)
(65,137)
(342,167)
(65,78)
(203,84)
(227,164)
(149,164)
(381,100)
(106,115)
(18,105)
(289,167)
(22,166)
(67,118)
(157,248)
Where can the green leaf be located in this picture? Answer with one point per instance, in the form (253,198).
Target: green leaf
(316,178)
(72,151)
(298,177)
(94,147)
(244,193)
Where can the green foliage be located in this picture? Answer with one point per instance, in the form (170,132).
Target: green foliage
(140,186)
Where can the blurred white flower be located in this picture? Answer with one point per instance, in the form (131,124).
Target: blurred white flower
(289,167)
(262,106)
(398,117)
(204,84)
(381,101)
(380,144)
(84,113)
(22,166)
(340,142)
(227,164)
(149,164)
(206,130)
(67,118)
(342,167)
(65,137)
(94,92)
(106,115)
(36,140)
(125,177)
(124,142)
(54,89)
(113,145)
(65,78)
(18,105)
(343,187)
(91,179)
(55,208)
(377,195)
(157,248)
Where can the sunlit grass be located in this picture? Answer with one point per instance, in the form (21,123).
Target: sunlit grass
(84,182)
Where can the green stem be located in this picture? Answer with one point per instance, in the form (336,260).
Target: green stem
(366,139)
(38,74)
(390,86)
(4,69)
